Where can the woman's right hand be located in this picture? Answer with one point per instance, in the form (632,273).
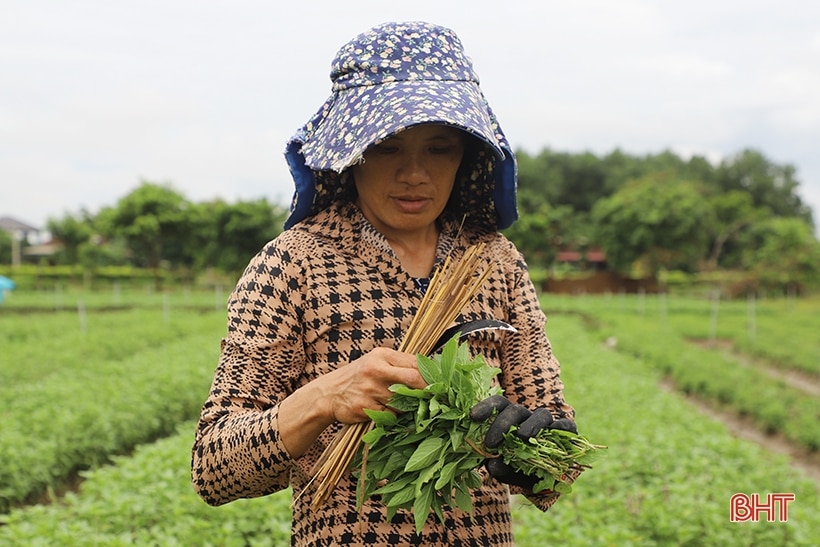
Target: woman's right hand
(365,383)
(342,396)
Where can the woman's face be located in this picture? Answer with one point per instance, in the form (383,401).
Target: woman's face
(405,181)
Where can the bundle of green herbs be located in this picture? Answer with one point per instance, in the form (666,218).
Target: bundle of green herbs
(424,455)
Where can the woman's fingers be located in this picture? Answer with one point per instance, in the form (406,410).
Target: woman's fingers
(365,383)
(394,367)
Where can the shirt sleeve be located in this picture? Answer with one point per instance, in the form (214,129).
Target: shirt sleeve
(531,374)
(237,451)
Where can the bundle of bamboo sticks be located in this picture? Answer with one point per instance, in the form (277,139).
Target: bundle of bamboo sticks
(451,288)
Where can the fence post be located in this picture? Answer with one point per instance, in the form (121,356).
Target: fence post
(662,305)
(713,323)
(218,303)
(58,296)
(751,315)
(166,307)
(83,316)
(116,291)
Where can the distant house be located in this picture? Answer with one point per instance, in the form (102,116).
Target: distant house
(27,240)
(20,230)
(592,276)
(592,259)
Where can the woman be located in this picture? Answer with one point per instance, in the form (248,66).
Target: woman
(402,165)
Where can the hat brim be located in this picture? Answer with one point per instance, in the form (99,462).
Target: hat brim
(357,118)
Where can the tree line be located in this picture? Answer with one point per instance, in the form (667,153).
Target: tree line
(664,212)
(647,214)
(156,227)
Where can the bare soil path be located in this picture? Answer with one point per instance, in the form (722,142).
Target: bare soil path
(742,427)
(798,379)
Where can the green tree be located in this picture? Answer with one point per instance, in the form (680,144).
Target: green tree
(538,181)
(656,221)
(770,185)
(5,247)
(538,234)
(72,231)
(562,179)
(783,252)
(545,225)
(154,223)
(733,212)
(98,252)
(226,236)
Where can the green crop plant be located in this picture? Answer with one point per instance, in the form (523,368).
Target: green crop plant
(429,448)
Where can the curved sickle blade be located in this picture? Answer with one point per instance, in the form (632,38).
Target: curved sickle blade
(471,326)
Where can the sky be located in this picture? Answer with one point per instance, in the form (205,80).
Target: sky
(97,96)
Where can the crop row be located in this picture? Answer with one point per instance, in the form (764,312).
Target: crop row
(36,345)
(782,332)
(70,299)
(670,469)
(715,376)
(147,499)
(69,399)
(666,478)
(718,377)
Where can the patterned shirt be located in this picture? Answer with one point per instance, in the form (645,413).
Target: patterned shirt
(319,296)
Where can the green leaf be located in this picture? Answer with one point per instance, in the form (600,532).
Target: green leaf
(448,472)
(410,439)
(437,388)
(464,500)
(452,414)
(421,506)
(484,377)
(463,355)
(403,496)
(456,438)
(375,468)
(426,453)
(473,479)
(426,474)
(373,436)
(434,406)
(394,465)
(437,508)
(422,413)
(590,457)
(401,389)
(546,483)
(448,359)
(381,417)
(428,369)
(394,486)
(400,403)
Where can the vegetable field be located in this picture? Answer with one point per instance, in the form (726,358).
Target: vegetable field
(99,393)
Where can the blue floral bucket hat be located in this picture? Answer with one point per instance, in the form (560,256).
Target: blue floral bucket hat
(388,79)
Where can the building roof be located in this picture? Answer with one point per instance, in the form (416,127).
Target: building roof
(593,254)
(13,225)
(568,256)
